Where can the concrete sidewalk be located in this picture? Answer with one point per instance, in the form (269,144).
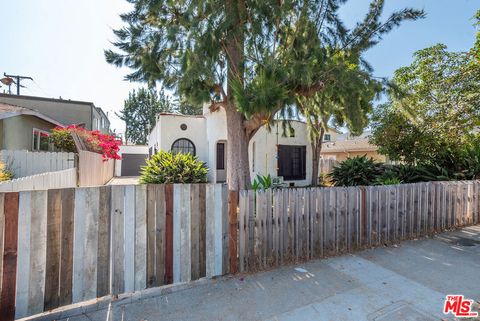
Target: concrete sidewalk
(406,282)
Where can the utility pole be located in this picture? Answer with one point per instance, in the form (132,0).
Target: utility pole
(19,78)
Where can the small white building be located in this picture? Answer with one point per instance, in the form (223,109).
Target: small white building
(206,137)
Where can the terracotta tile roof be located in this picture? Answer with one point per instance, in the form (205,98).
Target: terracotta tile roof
(351,145)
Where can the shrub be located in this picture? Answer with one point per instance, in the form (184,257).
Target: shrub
(62,140)
(167,167)
(5,173)
(104,144)
(388,177)
(359,170)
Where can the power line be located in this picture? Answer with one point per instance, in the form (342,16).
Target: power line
(9,79)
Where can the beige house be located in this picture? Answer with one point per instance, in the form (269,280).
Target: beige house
(340,150)
(63,111)
(24,129)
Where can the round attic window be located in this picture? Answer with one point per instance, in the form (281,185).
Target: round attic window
(183,126)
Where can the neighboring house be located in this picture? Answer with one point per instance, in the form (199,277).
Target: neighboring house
(342,149)
(206,137)
(24,129)
(63,111)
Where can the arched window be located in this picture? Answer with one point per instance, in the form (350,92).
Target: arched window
(184,146)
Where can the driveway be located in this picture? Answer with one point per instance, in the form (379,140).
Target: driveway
(405,282)
(124,180)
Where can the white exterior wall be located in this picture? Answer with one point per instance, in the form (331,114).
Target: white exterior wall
(206,131)
(216,127)
(170,132)
(266,151)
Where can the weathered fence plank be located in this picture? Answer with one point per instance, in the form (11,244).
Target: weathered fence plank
(67,240)
(232,225)
(140,265)
(118,239)
(23,259)
(38,248)
(2,234)
(195,232)
(9,270)
(103,262)
(54,217)
(129,238)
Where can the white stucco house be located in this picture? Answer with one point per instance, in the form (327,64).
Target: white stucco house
(206,137)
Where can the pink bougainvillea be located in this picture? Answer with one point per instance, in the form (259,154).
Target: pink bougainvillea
(107,145)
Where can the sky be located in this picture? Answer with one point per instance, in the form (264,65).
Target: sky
(60,43)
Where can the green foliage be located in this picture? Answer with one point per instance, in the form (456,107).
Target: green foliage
(433,115)
(249,57)
(62,140)
(264,182)
(356,171)
(5,173)
(139,113)
(168,168)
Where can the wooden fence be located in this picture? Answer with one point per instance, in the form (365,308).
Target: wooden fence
(60,179)
(326,165)
(93,170)
(25,163)
(285,225)
(65,246)
(79,244)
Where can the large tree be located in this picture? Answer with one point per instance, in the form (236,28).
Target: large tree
(438,112)
(139,113)
(248,57)
(346,101)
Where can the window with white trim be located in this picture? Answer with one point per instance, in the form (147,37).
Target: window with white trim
(40,140)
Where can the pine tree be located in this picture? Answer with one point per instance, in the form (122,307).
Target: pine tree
(251,58)
(140,111)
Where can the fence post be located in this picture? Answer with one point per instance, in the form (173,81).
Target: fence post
(232,220)
(7,297)
(363,217)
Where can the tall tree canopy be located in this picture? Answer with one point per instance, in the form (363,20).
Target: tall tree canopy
(249,57)
(139,113)
(438,113)
(346,101)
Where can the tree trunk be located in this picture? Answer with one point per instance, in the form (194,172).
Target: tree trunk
(316,150)
(238,171)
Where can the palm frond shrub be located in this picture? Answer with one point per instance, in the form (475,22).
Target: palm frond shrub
(170,168)
(356,171)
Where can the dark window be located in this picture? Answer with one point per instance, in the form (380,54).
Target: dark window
(220,155)
(292,162)
(327,137)
(183,146)
(183,126)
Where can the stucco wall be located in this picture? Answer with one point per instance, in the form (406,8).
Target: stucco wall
(195,132)
(216,127)
(206,131)
(265,156)
(17,131)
